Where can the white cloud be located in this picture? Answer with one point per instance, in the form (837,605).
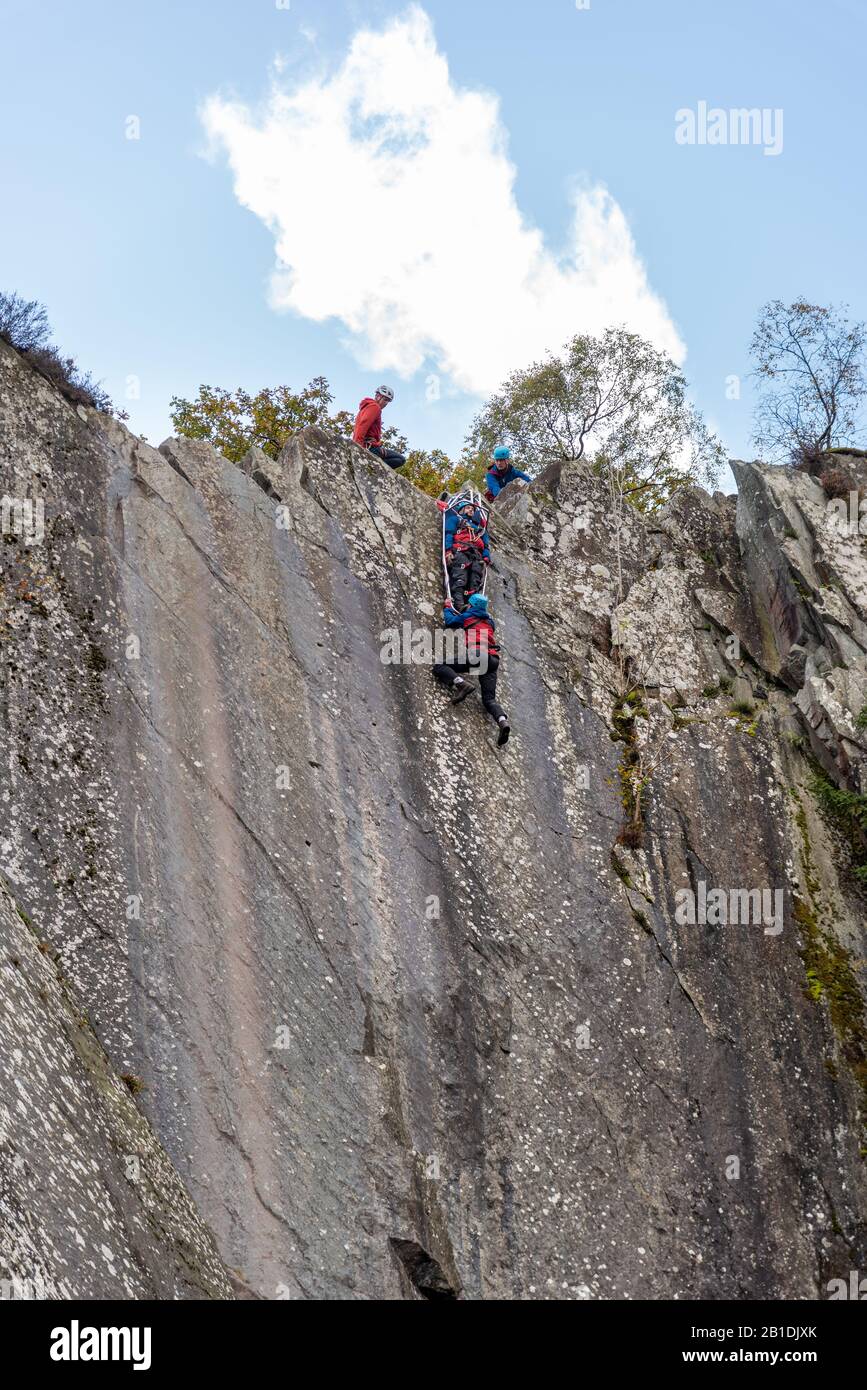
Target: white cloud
(390,195)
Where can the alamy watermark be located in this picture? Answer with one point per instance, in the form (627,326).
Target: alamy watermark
(855,1290)
(849,516)
(77,1343)
(418,646)
(739,125)
(721,907)
(21,516)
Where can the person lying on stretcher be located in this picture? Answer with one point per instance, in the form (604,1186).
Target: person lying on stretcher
(466,552)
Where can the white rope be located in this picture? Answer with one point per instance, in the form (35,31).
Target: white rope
(445,566)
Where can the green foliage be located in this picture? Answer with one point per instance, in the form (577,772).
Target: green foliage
(831,977)
(744,709)
(632,776)
(848,806)
(861,719)
(434,472)
(428,470)
(849,812)
(830,970)
(743,712)
(614,400)
(620,869)
(646,493)
(235,421)
(471,469)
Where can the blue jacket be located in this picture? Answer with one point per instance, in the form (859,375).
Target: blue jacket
(473,527)
(497,480)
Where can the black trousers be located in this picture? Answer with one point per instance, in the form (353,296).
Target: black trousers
(487,682)
(389,456)
(466,576)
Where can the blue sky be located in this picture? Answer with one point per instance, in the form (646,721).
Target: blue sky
(153,267)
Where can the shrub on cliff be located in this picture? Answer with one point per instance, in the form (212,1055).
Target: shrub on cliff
(24,326)
(837,482)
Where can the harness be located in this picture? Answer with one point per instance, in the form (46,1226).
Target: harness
(466,538)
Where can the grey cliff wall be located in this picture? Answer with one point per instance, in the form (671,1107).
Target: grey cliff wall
(412,1022)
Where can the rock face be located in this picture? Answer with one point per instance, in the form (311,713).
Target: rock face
(417,1018)
(807,563)
(90,1205)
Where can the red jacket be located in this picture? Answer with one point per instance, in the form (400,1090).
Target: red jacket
(368,424)
(480,636)
(480,631)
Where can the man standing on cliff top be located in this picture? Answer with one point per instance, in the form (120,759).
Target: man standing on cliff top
(368,427)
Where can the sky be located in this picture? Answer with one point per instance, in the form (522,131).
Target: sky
(430,195)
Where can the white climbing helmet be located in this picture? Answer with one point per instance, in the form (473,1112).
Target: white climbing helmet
(386,393)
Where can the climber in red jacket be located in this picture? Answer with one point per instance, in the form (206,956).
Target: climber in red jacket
(368,427)
(481,657)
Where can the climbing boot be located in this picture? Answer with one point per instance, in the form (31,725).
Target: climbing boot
(461,689)
(505,729)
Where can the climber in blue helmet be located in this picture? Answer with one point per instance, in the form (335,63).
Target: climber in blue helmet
(502,472)
(481,657)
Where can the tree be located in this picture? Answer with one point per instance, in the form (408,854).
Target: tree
(234,421)
(809,362)
(616,401)
(433,472)
(429,470)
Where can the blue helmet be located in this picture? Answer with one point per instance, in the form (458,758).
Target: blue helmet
(502,453)
(478,603)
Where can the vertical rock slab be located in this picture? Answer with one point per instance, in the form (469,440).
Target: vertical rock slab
(90,1205)
(415,1017)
